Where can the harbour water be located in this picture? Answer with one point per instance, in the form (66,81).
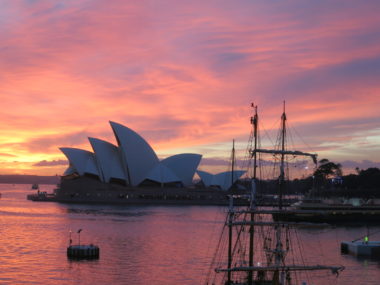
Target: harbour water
(139,245)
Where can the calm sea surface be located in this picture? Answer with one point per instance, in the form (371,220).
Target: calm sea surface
(138,245)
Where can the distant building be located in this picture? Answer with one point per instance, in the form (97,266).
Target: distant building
(132,162)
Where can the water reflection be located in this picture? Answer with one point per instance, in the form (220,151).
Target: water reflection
(138,245)
(107,212)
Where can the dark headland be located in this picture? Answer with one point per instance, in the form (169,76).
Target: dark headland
(28,179)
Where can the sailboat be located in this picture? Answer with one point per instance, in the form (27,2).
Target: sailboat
(35,186)
(260,250)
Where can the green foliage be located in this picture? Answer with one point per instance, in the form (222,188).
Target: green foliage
(366,179)
(364,184)
(328,169)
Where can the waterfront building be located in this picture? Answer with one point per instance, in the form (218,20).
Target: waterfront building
(132,162)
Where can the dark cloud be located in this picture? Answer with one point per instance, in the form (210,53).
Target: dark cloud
(224,62)
(364,164)
(331,77)
(51,163)
(178,74)
(333,130)
(214,161)
(157,128)
(201,61)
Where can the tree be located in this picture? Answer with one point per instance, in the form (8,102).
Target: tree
(370,178)
(327,169)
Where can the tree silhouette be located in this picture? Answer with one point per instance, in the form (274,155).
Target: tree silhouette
(327,169)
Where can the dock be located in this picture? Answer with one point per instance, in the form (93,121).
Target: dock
(42,197)
(354,215)
(361,248)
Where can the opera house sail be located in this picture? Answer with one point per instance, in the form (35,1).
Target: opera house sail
(109,160)
(223,180)
(131,173)
(137,155)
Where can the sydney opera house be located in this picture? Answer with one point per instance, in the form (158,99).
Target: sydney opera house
(132,171)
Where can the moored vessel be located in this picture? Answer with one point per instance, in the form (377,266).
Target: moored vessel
(333,211)
(42,197)
(257,249)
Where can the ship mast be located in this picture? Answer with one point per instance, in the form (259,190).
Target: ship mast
(233,162)
(254,122)
(230,221)
(282,170)
(276,271)
(283,152)
(279,251)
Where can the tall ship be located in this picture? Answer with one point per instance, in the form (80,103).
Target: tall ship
(253,248)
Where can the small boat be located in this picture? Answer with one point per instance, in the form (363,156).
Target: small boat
(35,186)
(42,197)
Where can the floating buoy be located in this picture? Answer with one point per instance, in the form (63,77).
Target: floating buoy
(81,251)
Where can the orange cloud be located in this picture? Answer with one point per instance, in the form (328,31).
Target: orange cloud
(184,75)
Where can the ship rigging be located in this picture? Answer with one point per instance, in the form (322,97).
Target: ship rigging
(259,250)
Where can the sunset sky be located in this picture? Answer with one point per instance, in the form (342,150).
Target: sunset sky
(183,74)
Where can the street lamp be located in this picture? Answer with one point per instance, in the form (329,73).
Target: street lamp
(79,236)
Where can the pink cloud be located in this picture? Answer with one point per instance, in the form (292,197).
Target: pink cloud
(183,75)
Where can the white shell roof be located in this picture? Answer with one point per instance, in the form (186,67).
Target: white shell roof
(70,170)
(108,159)
(223,179)
(139,158)
(82,161)
(162,174)
(183,166)
(133,160)
(206,177)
